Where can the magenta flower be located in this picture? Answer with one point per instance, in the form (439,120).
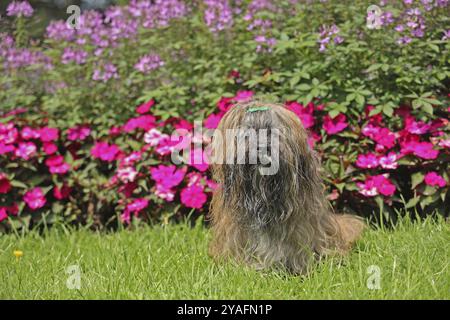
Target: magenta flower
(212,121)
(145,122)
(78,133)
(19,9)
(48,134)
(61,193)
(8,133)
(135,207)
(164,193)
(145,107)
(375,185)
(165,146)
(104,151)
(304,113)
(334,125)
(385,137)
(193,197)
(444,143)
(35,198)
(5,185)
(57,165)
(416,127)
(389,161)
(127,174)
(3,214)
(198,159)
(153,136)
(422,150)
(433,179)
(28,133)
(243,95)
(26,150)
(49,148)
(6,148)
(367,161)
(167,176)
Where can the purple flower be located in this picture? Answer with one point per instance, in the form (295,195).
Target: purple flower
(149,63)
(108,71)
(19,9)
(73,55)
(218,15)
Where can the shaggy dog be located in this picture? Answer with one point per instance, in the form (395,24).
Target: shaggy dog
(278,219)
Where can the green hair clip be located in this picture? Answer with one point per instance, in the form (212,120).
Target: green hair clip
(254,109)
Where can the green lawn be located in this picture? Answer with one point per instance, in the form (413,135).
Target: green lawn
(171,262)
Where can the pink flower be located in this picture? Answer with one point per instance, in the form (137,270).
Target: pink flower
(104,151)
(6,148)
(153,136)
(422,150)
(135,207)
(26,150)
(127,174)
(304,113)
(164,193)
(57,165)
(416,127)
(145,107)
(78,133)
(334,125)
(8,133)
(193,197)
(145,122)
(433,179)
(61,193)
(3,214)
(49,148)
(5,185)
(167,176)
(198,159)
(389,161)
(183,124)
(444,143)
(375,185)
(225,104)
(35,198)
(48,134)
(385,137)
(28,133)
(165,146)
(367,161)
(131,159)
(243,95)
(212,121)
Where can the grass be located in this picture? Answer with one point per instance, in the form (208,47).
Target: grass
(170,262)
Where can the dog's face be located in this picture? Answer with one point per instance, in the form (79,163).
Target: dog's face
(262,159)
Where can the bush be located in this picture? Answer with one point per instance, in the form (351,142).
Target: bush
(373,99)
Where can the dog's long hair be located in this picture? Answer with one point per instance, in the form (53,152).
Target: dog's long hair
(280,220)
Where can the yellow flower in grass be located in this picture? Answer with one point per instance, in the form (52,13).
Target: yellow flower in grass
(18,254)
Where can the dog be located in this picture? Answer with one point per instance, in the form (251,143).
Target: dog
(277,220)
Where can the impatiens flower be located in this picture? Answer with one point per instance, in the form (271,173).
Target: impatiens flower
(183,124)
(334,125)
(243,96)
(145,122)
(367,161)
(212,121)
(104,151)
(164,193)
(6,148)
(49,148)
(145,107)
(135,207)
(131,158)
(444,143)
(48,134)
(153,136)
(225,104)
(416,127)
(35,198)
(375,185)
(385,137)
(8,133)
(198,159)
(422,150)
(78,133)
(127,174)
(61,193)
(3,214)
(193,197)
(433,179)
(57,165)
(165,146)
(28,133)
(389,161)
(167,176)
(5,185)
(26,150)
(304,113)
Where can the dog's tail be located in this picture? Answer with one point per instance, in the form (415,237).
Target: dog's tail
(351,228)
